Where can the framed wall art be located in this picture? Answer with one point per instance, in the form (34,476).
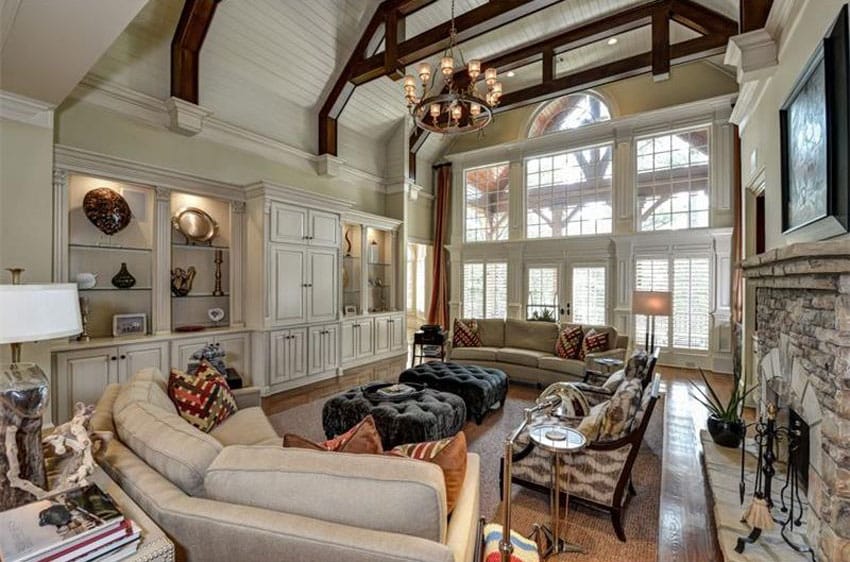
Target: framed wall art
(129,325)
(815,148)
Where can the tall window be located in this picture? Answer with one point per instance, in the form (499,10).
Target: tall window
(417,273)
(569,112)
(589,295)
(652,275)
(486,203)
(569,193)
(689,279)
(691,300)
(485,290)
(672,180)
(542,300)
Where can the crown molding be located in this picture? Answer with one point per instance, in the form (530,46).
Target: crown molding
(26,110)
(369,219)
(153,111)
(296,195)
(82,161)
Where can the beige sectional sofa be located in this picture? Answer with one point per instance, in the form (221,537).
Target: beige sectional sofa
(525,350)
(237,494)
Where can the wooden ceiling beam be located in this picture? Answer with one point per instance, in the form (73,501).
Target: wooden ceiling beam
(753,14)
(701,19)
(661,44)
(192,28)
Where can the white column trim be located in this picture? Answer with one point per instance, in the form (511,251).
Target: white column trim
(161,274)
(60,226)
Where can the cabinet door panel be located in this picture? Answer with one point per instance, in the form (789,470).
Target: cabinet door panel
(288,265)
(288,224)
(238,349)
(315,350)
(298,353)
(324,229)
(331,348)
(134,358)
(382,334)
(322,296)
(349,341)
(182,350)
(81,376)
(397,337)
(280,367)
(366,338)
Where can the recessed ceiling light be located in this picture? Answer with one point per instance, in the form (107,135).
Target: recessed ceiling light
(612,41)
(511,74)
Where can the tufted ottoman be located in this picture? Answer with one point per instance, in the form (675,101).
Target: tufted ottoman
(482,388)
(425,415)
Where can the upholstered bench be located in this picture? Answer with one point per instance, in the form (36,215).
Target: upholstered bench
(482,388)
(423,415)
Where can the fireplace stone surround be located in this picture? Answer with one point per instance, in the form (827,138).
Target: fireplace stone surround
(803,334)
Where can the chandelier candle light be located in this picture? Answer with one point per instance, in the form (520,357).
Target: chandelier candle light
(445,106)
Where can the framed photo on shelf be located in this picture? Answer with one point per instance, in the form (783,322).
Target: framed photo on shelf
(350,310)
(129,324)
(815,142)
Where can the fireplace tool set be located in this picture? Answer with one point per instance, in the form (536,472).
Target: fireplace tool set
(758,515)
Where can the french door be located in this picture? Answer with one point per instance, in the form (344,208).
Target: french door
(567,292)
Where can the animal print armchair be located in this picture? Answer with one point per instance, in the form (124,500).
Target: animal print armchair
(640,365)
(599,474)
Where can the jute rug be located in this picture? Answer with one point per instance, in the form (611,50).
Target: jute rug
(589,528)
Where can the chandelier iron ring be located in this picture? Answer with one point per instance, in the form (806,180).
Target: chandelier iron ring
(444,123)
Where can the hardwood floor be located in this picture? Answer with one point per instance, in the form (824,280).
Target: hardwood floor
(686,528)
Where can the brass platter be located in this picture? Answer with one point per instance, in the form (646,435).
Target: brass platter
(195,224)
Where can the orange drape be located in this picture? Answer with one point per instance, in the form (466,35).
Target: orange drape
(438,309)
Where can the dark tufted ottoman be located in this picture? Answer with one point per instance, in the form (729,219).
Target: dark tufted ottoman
(425,415)
(482,388)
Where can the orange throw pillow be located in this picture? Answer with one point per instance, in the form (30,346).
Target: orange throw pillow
(449,454)
(363,438)
(204,398)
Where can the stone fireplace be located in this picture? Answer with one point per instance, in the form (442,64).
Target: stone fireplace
(803,333)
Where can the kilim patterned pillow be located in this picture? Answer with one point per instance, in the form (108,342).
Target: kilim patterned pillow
(525,549)
(449,454)
(568,345)
(593,341)
(465,334)
(203,399)
(363,438)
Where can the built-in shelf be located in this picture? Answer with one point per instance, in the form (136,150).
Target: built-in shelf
(380,263)
(351,257)
(95,289)
(198,295)
(198,247)
(351,290)
(111,248)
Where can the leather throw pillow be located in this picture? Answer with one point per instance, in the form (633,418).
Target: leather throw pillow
(449,454)
(568,345)
(203,398)
(363,438)
(465,334)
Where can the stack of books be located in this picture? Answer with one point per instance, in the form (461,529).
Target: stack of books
(81,525)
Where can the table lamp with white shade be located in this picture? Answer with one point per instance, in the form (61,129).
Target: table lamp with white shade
(29,313)
(651,304)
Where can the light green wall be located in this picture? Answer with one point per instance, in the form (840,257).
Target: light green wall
(420,219)
(82,125)
(687,83)
(760,136)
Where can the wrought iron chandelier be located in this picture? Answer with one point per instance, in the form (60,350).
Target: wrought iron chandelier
(445,106)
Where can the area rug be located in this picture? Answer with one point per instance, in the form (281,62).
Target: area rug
(591,529)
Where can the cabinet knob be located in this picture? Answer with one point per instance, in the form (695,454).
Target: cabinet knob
(305,285)
(113,358)
(123,357)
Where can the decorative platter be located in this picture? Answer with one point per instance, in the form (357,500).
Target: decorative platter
(107,210)
(195,224)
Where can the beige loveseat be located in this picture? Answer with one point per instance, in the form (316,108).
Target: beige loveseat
(237,494)
(525,350)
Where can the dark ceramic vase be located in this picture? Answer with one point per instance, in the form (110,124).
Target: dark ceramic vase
(725,433)
(123,279)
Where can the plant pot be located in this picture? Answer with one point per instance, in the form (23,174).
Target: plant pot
(726,433)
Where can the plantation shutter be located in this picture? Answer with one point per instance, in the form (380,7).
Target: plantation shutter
(589,295)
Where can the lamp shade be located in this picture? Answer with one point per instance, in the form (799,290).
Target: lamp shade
(31,313)
(652,303)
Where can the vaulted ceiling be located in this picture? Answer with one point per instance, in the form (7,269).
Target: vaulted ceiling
(267,65)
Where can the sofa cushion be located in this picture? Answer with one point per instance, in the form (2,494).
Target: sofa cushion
(518,356)
(166,442)
(621,410)
(465,334)
(568,345)
(449,454)
(148,386)
(566,366)
(475,353)
(614,380)
(593,342)
(539,336)
(202,398)
(492,332)
(363,438)
(248,426)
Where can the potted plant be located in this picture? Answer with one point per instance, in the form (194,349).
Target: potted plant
(725,425)
(545,315)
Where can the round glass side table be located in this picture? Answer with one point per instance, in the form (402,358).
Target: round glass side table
(560,441)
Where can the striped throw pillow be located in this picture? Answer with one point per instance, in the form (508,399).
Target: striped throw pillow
(465,334)
(593,342)
(568,345)
(449,454)
(203,398)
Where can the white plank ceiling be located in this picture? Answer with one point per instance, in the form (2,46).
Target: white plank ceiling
(267,64)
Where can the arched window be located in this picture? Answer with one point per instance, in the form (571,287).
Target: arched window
(569,112)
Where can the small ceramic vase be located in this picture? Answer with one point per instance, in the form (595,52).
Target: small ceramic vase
(123,279)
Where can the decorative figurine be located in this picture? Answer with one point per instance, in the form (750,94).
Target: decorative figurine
(181,280)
